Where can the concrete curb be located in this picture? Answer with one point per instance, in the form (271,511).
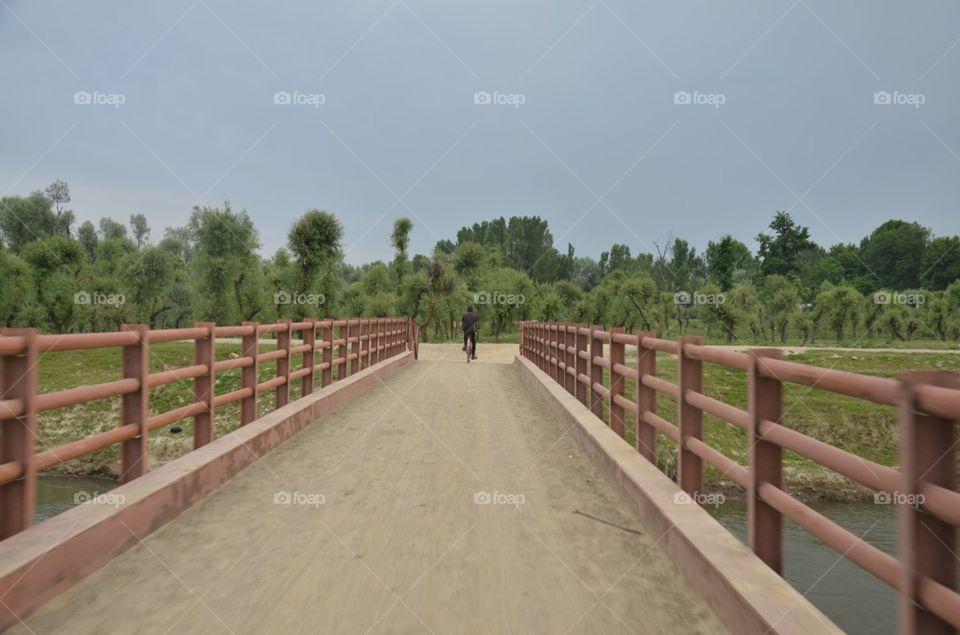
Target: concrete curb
(748,596)
(47,559)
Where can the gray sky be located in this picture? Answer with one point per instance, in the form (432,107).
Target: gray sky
(598,145)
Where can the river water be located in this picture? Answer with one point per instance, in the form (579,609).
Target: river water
(855,600)
(59,493)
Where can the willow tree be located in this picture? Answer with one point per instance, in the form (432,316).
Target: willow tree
(315,241)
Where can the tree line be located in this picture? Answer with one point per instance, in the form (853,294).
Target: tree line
(900,282)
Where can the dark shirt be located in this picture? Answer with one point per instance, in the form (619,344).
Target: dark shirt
(469,322)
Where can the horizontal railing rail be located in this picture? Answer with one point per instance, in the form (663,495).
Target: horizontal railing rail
(928,404)
(347,345)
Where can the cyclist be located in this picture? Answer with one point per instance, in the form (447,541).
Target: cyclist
(471,326)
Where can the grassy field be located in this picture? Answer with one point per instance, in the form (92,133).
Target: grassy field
(922,339)
(63,370)
(863,428)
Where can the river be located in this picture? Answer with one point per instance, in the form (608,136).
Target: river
(855,600)
(59,493)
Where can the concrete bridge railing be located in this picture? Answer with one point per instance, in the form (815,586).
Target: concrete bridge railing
(590,363)
(346,346)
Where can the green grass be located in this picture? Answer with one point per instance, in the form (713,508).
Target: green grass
(59,371)
(866,429)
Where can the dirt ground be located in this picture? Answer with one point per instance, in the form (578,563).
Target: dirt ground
(445,500)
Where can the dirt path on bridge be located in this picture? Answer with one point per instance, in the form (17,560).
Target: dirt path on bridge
(445,500)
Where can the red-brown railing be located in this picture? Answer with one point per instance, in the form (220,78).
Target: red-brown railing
(359,343)
(928,404)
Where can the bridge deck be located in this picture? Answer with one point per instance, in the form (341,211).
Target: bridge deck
(399,544)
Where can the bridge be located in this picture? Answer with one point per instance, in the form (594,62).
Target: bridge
(397,489)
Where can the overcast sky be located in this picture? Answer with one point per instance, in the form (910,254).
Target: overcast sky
(582,127)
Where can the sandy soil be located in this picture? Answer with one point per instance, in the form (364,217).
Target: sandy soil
(387,530)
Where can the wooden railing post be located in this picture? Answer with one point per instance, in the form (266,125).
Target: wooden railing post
(204,352)
(690,377)
(379,355)
(596,371)
(927,543)
(646,399)
(249,375)
(570,348)
(134,406)
(353,339)
(765,524)
(18,437)
(555,353)
(617,381)
(326,377)
(309,336)
(583,391)
(342,369)
(283,364)
(364,343)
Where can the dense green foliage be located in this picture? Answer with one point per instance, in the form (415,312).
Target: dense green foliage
(900,283)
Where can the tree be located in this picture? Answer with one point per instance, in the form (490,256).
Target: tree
(26,219)
(780,253)
(725,259)
(87,235)
(842,306)
(58,193)
(400,240)
(224,262)
(141,231)
(110,228)
(892,254)
(941,263)
(315,241)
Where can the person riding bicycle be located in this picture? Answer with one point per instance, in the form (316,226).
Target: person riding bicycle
(470,324)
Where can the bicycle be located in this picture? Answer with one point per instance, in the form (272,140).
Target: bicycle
(469,347)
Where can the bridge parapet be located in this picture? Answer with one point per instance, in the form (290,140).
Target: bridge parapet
(359,344)
(572,355)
